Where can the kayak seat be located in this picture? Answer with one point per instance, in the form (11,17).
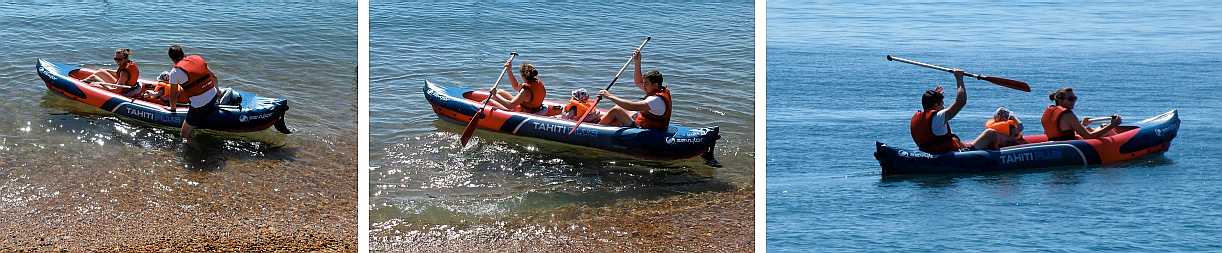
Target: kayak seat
(227,96)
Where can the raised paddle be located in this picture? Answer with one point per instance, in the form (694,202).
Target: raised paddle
(1013,84)
(470,130)
(600,98)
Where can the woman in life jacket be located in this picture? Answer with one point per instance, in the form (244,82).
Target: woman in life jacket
(530,93)
(652,112)
(1060,123)
(930,127)
(579,104)
(122,79)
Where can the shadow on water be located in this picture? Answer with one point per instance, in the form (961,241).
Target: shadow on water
(1064,175)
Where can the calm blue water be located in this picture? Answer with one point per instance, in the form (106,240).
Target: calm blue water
(420,176)
(831,94)
(59,156)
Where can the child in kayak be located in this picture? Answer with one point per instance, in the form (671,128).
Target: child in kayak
(930,127)
(530,93)
(578,104)
(1005,123)
(652,112)
(122,79)
(1060,123)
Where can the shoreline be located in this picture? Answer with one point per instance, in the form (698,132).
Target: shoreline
(707,222)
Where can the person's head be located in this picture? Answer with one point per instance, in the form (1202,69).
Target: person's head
(529,72)
(652,82)
(580,94)
(1064,97)
(122,55)
(176,53)
(932,99)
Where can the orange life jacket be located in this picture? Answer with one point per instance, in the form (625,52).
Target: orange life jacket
(199,77)
(537,94)
(162,87)
(923,135)
(132,73)
(1002,127)
(644,119)
(578,107)
(1052,124)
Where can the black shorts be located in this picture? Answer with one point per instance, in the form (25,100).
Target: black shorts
(198,117)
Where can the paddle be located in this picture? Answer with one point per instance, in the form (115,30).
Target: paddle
(470,130)
(1013,84)
(600,98)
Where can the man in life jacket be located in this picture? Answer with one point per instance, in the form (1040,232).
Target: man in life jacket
(930,127)
(530,93)
(122,79)
(1060,123)
(197,82)
(652,112)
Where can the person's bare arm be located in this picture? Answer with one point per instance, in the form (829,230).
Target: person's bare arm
(960,96)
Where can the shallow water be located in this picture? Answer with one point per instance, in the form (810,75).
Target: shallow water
(1135,59)
(421,176)
(51,146)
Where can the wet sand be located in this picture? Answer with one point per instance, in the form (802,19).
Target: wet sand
(699,222)
(282,199)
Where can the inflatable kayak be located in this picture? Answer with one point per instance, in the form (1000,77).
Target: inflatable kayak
(239,111)
(1150,136)
(456,104)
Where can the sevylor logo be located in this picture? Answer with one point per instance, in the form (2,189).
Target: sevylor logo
(673,140)
(245,117)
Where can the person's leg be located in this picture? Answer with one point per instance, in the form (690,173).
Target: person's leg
(504,94)
(186,130)
(498,105)
(107,76)
(617,116)
(987,140)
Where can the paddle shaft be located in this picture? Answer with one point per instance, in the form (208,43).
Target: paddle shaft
(616,78)
(470,129)
(1013,84)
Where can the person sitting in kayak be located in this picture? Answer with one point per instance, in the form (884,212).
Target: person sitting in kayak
(578,105)
(123,79)
(530,93)
(161,94)
(1060,123)
(652,112)
(930,127)
(198,83)
(1005,123)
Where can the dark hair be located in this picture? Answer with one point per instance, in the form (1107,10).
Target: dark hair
(529,72)
(930,99)
(1059,93)
(176,52)
(654,77)
(127,52)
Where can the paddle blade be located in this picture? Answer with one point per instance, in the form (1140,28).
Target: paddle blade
(470,129)
(1013,84)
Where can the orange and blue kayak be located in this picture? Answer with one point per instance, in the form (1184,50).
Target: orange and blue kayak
(457,104)
(1144,138)
(238,111)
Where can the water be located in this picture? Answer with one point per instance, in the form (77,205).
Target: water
(420,175)
(832,94)
(56,153)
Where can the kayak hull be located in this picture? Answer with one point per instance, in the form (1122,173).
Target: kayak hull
(457,104)
(238,111)
(1150,136)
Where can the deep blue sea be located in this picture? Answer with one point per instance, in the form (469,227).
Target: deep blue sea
(831,95)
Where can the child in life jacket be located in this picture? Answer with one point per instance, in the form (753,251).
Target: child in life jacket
(1007,125)
(160,92)
(578,104)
